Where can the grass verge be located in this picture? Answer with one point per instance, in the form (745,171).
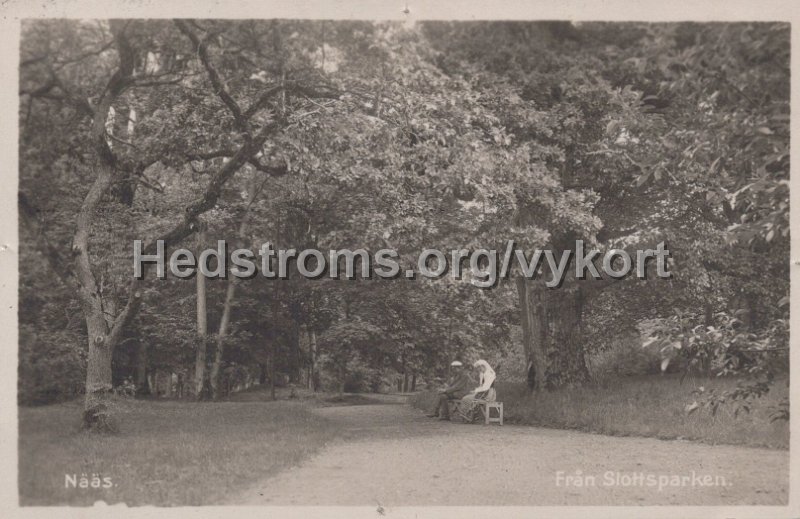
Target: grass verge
(651,406)
(168,453)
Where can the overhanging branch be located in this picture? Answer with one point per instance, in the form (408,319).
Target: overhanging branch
(216,81)
(188,223)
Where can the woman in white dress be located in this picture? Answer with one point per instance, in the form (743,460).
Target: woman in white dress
(468,406)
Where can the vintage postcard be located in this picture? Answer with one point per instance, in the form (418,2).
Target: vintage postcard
(404,259)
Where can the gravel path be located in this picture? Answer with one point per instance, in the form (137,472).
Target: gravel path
(396,456)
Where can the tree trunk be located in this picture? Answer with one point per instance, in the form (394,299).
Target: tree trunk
(216,367)
(527,335)
(142,387)
(104,332)
(98,377)
(226,310)
(202,328)
(554,341)
(313,362)
(199,382)
(342,378)
(413,382)
(295,357)
(404,384)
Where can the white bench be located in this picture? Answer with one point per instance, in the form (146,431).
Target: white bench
(486,409)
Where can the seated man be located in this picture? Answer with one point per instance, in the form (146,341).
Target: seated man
(458,387)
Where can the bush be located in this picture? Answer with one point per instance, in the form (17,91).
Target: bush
(628,358)
(359,377)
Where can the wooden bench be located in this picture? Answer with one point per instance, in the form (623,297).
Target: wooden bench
(486,409)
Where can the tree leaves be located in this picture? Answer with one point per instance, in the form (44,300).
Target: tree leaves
(444,135)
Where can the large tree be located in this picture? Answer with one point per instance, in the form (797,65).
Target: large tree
(162,77)
(677,132)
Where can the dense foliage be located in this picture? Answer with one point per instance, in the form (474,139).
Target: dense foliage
(354,135)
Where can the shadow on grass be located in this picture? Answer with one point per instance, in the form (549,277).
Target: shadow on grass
(319,398)
(350,399)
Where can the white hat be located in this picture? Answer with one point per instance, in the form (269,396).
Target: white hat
(456,363)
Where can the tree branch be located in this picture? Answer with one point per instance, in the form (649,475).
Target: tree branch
(270,169)
(188,223)
(45,92)
(81,57)
(216,81)
(262,100)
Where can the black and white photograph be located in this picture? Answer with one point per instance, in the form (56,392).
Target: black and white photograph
(353,255)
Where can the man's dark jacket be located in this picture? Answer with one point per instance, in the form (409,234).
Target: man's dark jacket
(459,386)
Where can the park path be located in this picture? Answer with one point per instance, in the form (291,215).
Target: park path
(396,456)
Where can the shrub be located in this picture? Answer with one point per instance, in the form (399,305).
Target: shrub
(627,358)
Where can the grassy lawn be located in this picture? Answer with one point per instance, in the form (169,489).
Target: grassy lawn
(642,406)
(168,453)
(181,453)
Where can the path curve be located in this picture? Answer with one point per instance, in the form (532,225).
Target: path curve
(396,456)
